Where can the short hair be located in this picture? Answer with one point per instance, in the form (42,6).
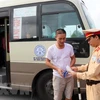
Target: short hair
(60,31)
(96,35)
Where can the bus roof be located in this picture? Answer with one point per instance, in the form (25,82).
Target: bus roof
(8,3)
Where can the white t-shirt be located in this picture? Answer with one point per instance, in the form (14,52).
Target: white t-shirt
(60,57)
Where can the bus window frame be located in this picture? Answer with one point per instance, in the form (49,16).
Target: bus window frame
(37,30)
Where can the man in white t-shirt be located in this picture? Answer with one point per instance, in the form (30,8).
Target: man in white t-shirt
(59,56)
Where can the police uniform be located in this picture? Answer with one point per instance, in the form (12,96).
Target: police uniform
(92,70)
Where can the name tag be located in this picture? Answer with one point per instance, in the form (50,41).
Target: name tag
(95,59)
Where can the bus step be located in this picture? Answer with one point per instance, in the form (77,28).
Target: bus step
(2,75)
(2,78)
(4,86)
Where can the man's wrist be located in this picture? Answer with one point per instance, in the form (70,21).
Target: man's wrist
(55,68)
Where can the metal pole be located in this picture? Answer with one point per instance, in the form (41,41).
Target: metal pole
(79,90)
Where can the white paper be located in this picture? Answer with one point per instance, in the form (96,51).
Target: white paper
(69,69)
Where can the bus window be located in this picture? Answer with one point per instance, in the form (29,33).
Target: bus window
(57,7)
(24,22)
(61,15)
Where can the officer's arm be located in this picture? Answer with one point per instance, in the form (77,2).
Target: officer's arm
(82,67)
(94,71)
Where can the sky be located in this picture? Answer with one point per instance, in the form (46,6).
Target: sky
(93,8)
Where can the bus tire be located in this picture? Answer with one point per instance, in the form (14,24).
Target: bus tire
(44,86)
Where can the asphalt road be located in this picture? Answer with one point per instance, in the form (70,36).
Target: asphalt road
(22,95)
(15,95)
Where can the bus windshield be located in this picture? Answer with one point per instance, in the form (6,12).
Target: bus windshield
(67,18)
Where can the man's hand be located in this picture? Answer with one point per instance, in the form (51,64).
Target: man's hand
(60,71)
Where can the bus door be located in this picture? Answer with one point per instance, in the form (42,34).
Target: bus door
(4,49)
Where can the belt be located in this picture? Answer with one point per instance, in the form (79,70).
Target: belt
(91,82)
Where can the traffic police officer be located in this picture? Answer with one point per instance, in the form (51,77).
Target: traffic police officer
(91,71)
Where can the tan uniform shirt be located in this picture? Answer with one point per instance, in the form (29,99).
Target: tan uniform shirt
(92,72)
(93,67)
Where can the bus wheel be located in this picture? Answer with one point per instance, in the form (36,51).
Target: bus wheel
(44,86)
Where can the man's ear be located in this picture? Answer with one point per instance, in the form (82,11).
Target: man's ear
(96,37)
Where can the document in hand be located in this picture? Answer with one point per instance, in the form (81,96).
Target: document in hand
(69,69)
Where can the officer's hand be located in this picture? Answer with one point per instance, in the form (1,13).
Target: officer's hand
(73,73)
(74,69)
